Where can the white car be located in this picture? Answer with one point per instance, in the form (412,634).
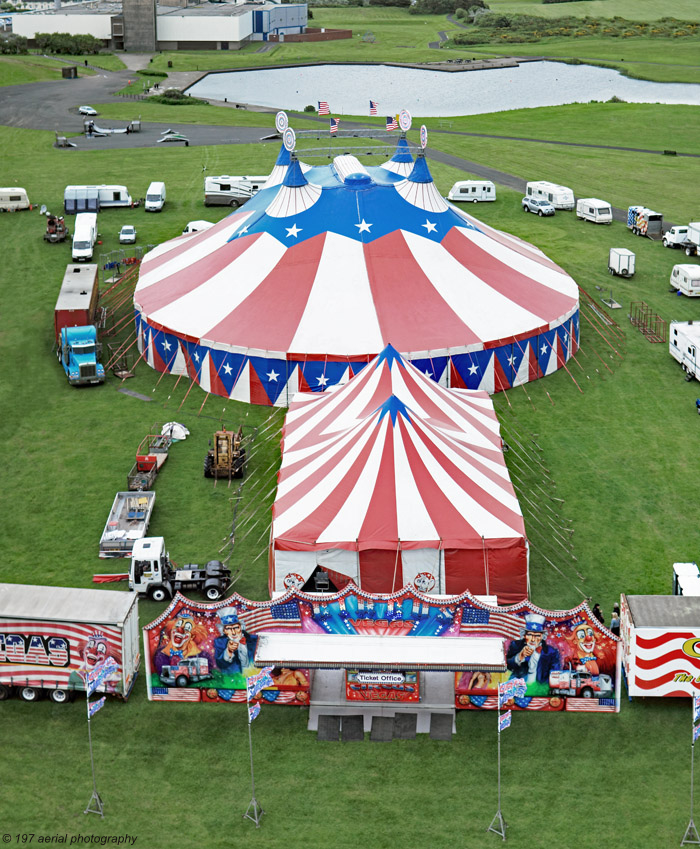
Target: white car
(87,110)
(127,235)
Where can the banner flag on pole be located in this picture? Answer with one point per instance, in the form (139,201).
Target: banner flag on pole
(323,107)
(504,721)
(96,677)
(391,123)
(373,106)
(334,125)
(515,688)
(696,708)
(696,732)
(258,682)
(93,707)
(253,711)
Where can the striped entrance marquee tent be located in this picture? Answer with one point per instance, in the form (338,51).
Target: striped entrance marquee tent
(308,281)
(393,480)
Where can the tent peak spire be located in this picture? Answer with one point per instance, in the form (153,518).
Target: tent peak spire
(394,407)
(390,356)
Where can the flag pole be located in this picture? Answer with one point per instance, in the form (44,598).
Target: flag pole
(95,805)
(254,811)
(498,824)
(691,833)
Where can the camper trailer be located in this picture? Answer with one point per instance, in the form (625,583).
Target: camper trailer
(561,197)
(84,235)
(231,191)
(472,191)
(155,197)
(683,346)
(595,210)
(686,280)
(13,199)
(94,198)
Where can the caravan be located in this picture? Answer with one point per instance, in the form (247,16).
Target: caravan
(685,279)
(561,197)
(472,190)
(93,198)
(684,345)
(84,236)
(595,210)
(13,199)
(231,191)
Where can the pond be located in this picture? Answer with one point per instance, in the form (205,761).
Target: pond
(428,93)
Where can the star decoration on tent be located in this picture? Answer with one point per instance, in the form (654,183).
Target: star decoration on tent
(363,227)
(511,360)
(429,226)
(473,369)
(293,230)
(166,345)
(272,376)
(543,350)
(196,356)
(322,380)
(228,369)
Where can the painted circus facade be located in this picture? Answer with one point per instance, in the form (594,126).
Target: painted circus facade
(205,652)
(303,285)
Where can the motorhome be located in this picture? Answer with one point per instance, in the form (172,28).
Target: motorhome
(683,346)
(84,236)
(155,197)
(93,198)
(560,197)
(472,191)
(13,199)
(231,191)
(595,210)
(686,280)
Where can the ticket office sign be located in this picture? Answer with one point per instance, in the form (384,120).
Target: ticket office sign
(378,686)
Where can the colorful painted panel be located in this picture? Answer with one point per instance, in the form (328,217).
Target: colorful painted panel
(382,686)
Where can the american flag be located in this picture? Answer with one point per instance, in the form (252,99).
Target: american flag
(334,125)
(278,616)
(373,107)
(593,705)
(175,694)
(391,123)
(476,620)
(323,108)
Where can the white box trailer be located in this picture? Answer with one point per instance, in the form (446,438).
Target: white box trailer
(683,346)
(12,199)
(472,191)
(231,191)
(595,210)
(621,262)
(660,634)
(686,280)
(561,197)
(51,636)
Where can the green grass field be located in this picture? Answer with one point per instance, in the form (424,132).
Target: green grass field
(618,466)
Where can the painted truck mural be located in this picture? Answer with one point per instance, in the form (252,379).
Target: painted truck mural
(204,652)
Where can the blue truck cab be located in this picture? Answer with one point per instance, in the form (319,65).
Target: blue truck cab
(78,354)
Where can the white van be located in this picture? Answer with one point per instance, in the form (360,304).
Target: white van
(231,191)
(84,235)
(472,190)
(561,197)
(595,210)
(155,197)
(13,199)
(196,226)
(686,279)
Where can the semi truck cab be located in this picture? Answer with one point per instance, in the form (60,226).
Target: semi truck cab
(78,353)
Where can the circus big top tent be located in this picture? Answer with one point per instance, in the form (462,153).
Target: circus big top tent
(393,480)
(312,277)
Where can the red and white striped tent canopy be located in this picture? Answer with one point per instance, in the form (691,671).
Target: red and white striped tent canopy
(312,277)
(393,480)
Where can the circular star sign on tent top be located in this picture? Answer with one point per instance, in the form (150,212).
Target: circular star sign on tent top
(304,284)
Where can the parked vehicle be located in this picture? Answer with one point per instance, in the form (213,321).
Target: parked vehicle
(645,222)
(473,191)
(150,456)
(540,207)
(127,235)
(660,635)
(79,353)
(686,577)
(76,304)
(155,197)
(687,237)
(52,636)
(561,197)
(84,236)
(595,210)
(188,669)
(153,574)
(683,346)
(94,198)
(231,191)
(127,523)
(196,226)
(56,230)
(13,199)
(686,280)
(621,262)
(226,457)
(87,110)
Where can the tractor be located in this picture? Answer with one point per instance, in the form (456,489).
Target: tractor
(226,456)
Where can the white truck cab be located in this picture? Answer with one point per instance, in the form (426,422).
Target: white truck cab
(149,564)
